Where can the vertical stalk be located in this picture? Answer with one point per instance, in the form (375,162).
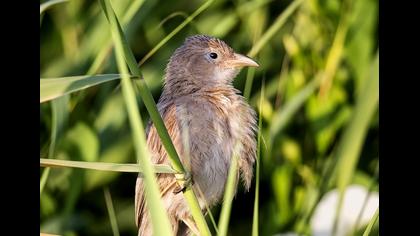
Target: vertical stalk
(155,116)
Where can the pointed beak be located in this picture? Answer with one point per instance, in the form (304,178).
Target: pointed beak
(240,60)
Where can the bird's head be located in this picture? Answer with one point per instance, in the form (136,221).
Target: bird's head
(204,61)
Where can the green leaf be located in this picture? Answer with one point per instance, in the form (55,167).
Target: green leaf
(49,4)
(282,186)
(120,151)
(123,50)
(111,212)
(278,23)
(85,140)
(257,167)
(176,30)
(371,223)
(52,88)
(283,116)
(159,216)
(248,82)
(59,118)
(105,49)
(129,168)
(348,152)
(230,188)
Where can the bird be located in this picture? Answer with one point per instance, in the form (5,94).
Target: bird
(208,121)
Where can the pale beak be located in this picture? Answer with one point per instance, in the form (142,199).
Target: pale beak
(241,61)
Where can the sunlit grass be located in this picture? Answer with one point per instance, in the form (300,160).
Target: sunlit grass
(155,206)
(317,131)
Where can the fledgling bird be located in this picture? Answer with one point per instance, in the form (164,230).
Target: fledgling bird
(200,104)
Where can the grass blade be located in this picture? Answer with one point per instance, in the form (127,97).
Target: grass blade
(336,50)
(102,55)
(117,167)
(257,167)
(371,223)
(348,151)
(209,212)
(156,118)
(248,83)
(278,23)
(374,181)
(111,212)
(159,217)
(44,178)
(59,118)
(176,30)
(283,116)
(49,4)
(52,88)
(230,188)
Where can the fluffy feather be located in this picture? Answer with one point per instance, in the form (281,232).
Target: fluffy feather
(198,98)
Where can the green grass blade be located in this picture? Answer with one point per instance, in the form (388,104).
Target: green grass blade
(278,23)
(159,217)
(372,184)
(176,30)
(336,50)
(111,212)
(117,167)
(44,178)
(230,188)
(148,98)
(371,223)
(201,194)
(257,167)
(283,116)
(49,4)
(52,88)
(349,148)
(248,83)
(196,211)
(213,222)
(157,119)
(102,55)
(172,15)
(59,118)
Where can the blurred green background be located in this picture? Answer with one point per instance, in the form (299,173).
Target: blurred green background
(316,131)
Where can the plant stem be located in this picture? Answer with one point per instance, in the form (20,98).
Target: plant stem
(160,127)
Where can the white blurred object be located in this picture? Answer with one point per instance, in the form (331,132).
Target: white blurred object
(323,218)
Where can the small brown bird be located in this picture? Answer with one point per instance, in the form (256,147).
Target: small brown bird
(205,117)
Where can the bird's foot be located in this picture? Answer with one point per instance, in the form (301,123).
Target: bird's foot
(184,181)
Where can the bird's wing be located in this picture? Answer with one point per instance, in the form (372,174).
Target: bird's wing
(249,146)
(158,156)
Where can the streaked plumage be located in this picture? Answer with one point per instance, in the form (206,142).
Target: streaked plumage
(198,98)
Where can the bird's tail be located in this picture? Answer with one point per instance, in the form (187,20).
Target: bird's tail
(180,229)
(145,228)
(184,230)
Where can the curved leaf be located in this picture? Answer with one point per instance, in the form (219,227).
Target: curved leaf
(132,168)
(159,217)
(49,4)
(52,88)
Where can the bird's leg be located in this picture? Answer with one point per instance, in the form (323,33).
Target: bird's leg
(191,225)
(183,182)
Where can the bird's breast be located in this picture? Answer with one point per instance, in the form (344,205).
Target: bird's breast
(213,129)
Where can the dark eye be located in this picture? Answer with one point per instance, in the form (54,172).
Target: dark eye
(213,55)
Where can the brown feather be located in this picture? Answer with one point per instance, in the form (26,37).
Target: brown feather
(198,95)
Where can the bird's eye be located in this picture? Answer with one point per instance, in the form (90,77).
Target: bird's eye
(213,55)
